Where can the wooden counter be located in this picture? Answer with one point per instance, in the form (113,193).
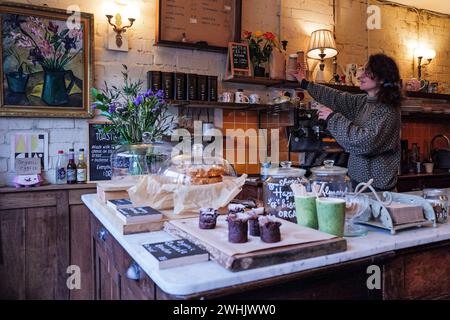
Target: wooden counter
(413,264)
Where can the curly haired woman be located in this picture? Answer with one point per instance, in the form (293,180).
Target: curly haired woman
(366,125)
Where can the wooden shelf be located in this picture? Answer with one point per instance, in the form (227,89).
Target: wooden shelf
(352,89)
(426,95)
(216,104)
(426,116)
(254,80)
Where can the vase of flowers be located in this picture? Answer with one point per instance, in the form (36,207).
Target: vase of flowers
(261,45)
(138,120)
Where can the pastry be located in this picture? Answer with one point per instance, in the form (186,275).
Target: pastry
(197,172)
(253,223)
(235,208)
(207,218)
(237,227)
(216,172)
(198,180)
(269,229)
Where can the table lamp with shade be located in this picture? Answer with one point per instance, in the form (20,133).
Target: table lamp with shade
(321,46)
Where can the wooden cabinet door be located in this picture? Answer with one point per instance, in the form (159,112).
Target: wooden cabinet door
(81,251)
(47,254)
(34,253)
(107,279)
(12,254)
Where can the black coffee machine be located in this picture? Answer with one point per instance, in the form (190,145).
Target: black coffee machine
(309,135)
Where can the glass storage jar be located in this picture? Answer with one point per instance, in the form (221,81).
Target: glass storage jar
(138,159)
(277,193)
(439,200)
(337,183)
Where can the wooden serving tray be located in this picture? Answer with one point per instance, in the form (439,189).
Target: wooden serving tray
(259,258)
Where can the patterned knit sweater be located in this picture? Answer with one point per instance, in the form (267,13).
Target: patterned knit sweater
(369,131)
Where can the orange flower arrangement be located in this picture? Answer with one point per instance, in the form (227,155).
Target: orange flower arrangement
(261,45)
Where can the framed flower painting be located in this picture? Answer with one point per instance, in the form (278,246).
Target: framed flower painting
(46,61)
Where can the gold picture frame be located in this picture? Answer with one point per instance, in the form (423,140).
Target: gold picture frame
(46,61)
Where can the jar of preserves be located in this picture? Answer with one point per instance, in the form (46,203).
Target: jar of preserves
(337,183)
(277,193)
(439,200)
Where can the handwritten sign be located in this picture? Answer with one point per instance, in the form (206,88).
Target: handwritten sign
(239,53)
(279,198)
(27,166)
(238,61)
(101,146)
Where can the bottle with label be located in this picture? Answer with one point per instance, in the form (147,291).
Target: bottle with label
(60,168)
(71,168)
(81,168)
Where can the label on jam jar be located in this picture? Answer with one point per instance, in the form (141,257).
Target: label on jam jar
(279,198)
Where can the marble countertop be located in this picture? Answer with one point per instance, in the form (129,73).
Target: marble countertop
(205,276)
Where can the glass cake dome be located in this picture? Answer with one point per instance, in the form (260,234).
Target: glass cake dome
(195,169)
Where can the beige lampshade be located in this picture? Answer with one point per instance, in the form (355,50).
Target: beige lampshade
(322,40)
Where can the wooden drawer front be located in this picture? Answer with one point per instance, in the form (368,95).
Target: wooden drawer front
(28,200)
(75,195)
(427,274)
(103,238)
(142,288)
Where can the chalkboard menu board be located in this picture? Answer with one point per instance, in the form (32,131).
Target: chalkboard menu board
(101,145)
(239,53)
(238,61)
(200,24)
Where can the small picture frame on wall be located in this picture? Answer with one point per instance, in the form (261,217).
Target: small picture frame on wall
(46,60)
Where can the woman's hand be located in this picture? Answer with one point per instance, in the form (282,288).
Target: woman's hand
(324,112)
(300,74)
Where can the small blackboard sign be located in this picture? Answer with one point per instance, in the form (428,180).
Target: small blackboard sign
(101,146)
(176,253)
(238,59)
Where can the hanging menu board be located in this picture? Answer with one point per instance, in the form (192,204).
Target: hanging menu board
(199,23)
(101,145)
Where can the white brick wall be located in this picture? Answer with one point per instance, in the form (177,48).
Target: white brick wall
(63,134)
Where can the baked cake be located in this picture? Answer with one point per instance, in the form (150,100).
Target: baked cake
(207,218)
(269,229)
(237,227)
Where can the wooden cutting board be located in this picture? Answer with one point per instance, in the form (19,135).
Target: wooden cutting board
(256,254)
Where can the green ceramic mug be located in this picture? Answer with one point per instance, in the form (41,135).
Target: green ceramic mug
(305,209)
(331,215)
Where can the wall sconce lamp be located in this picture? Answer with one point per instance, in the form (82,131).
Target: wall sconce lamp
(118,28)
(427,54)
(321,46)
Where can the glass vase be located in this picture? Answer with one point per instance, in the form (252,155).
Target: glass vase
(138,159)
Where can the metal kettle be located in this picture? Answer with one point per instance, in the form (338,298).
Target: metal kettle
(441,157)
